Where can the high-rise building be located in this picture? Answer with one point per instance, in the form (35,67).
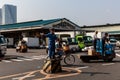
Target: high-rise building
(9,14)
(0,16)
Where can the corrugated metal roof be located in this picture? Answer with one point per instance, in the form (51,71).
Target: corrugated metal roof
(104,25)
(29,24)
(114,32)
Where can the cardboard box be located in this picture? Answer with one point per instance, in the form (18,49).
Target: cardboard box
(92,52)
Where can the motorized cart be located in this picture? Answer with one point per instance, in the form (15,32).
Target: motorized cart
(104,52)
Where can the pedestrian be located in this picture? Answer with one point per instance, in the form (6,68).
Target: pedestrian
(51,43)
(95,37)
(58,46)
(105,39)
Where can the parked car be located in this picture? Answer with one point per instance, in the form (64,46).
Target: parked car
(115,42)
(3,46)
(118,43)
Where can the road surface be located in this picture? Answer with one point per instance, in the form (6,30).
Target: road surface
(28,66)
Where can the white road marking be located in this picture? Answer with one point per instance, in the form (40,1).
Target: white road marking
(7,61)
(28,59)
(118,55)
(20,78)
(82,67)
(19,74)
(41,56)
(25,59)
(117,50)
(17,78)
(107,64)
(15,60)
(60,75)
(37,58)
(38,67)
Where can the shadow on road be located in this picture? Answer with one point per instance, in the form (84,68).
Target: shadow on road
(101,61)
(74,65)
(94,73)
(116,61)
(8,57)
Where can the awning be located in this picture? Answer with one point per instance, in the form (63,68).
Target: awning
(114,32)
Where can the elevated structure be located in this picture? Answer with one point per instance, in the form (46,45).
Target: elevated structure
(9,14)
(0,16)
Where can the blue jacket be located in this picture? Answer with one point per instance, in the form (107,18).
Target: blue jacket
(51,38)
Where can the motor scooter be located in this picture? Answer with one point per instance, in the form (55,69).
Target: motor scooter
(22,47)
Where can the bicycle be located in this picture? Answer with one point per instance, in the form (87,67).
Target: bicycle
(67,58)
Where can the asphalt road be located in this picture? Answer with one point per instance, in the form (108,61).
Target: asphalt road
(28,66)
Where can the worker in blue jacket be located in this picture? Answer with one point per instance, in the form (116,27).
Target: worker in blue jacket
(104,40)
(51,43)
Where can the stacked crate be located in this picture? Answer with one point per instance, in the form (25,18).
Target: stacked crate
(52,66)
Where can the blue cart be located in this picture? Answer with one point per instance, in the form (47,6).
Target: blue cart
(104,52)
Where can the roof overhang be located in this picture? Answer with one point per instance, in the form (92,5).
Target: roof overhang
(114,32)
(21,29)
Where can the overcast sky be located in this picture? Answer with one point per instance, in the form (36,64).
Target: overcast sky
(81,12)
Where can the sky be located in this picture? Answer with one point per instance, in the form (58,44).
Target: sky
(81,12)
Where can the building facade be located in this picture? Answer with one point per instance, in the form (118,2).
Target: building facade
(0,16)
(112,29)
(35,28)
(9,14)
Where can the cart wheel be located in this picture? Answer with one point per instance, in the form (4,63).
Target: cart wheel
(2,55)
(16,50)
(79,49)
(47,50)
(26,50)
(108,60)
(85,60)
(69,59)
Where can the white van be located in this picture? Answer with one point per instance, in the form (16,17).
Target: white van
(3,46)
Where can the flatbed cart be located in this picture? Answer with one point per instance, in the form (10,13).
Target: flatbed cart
(87,58)
(107,55)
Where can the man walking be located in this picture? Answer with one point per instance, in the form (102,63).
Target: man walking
(95,39)
(51,43)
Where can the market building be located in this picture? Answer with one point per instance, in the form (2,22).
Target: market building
(35,28)
(112,29)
